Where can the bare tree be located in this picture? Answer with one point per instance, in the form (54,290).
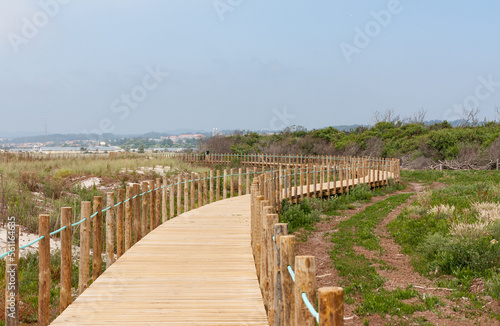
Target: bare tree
(388,116)
(469,117)
(418,117)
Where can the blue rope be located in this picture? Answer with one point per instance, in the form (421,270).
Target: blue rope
(79,222)
(31,243)
(57,231)
(106,209)
(7,253)
(292,274)
(310,307)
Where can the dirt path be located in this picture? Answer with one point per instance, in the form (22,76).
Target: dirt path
(400,273)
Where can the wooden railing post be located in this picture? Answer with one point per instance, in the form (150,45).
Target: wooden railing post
(172,198)
(240,181)
(83,270)
(179,195)
(152,205)
(217,186)
(280,230)
(224,185)
(193,190)
(110,230)
(331,306)
(158,198)
(137,212)
(120,229)
(44,268)
(164,202)
(305,282)
(231,183)
(287,258)
(128,218)
(12,276)
(186,194)
(97,239)
(144,208)
(211,181)
(65,294)
(205,190)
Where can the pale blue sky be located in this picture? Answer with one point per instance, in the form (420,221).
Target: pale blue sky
(241,64)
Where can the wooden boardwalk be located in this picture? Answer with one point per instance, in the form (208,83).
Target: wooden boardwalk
(196,269)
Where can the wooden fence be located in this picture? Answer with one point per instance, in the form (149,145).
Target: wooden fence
(132,213)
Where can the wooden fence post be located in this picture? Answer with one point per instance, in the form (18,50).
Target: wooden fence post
(305,282)
(120,228)
(83,270)
(205,188)
(172,199)
(97,239)
(287,258)
(211,179)
(152,206)
(158,203)
(44,269)
(110,230)
(193,193)
(164,202)
(280,230)
(217,186)
(145,205)
(65,294)
(12,276)
(186,194)
(231,183)
(128,218)
(200,190)
(247,183)
(331,306)
(137,212)
(240,181)
(224,185)
(179,195)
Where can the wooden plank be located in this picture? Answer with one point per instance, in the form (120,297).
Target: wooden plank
(196,269)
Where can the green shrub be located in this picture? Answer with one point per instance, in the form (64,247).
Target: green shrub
(299,216)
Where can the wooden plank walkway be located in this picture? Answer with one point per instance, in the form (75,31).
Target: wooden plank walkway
(196,269)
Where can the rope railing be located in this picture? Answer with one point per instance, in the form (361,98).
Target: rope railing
(138,212)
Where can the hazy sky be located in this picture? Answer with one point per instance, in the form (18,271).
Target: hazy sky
(128,66)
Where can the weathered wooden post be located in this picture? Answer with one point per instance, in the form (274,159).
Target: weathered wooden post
(172,198)
(211,180)
(164,202)
(186,194)
(280,230)
(44,268)
(305,282)
(331,306)
(137,212)
(287,258)
(231,183)
(224,184)
(158,202)
(217,186)
(128,217)
(200,190)
(12,276)
(205,188)
(120,228)
(193,193)
(97,239)
(83,270)
(247,183)
(240,181)
(152,206)
(110,230)
(144,208)
(65,294)
(179,195)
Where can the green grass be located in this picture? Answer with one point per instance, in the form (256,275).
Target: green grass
(360,276)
